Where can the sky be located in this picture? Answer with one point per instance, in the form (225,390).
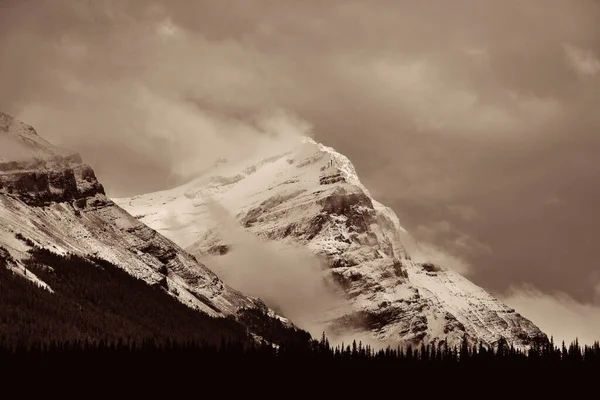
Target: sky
(475,120)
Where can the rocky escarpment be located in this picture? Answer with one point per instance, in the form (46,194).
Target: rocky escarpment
(38,173)
(39,183)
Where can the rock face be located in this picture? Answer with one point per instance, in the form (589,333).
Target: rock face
(37,172)
(49,198)
(310,195)
(46,181)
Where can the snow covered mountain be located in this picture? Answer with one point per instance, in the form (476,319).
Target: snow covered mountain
(307,194)
(49,198)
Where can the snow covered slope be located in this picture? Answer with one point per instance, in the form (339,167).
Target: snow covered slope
(308,194)
(49,198)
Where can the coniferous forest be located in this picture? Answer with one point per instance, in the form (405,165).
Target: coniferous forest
(100,317)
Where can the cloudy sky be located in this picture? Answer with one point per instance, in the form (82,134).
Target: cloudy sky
(476,120)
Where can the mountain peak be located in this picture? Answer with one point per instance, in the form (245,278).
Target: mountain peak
(5,119)
(20,142)
(37,172)
(309,194)
(334,161)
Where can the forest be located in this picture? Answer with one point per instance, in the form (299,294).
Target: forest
(97,302)
(100,317)
(151,355)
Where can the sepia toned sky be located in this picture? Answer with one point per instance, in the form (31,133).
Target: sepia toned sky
(477,121)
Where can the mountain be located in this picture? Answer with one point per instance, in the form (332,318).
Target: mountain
(307,194)
(50,199)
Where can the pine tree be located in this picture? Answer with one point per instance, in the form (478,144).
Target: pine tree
(464,349)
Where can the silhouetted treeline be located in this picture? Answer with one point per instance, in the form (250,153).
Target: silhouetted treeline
(501,354)
(101,318)
(180,356)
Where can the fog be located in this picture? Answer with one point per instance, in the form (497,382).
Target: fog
(290,280)
(475,120)
(558,314)
(10,150)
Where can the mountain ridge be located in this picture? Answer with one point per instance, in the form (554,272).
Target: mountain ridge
(52,200)
(310,195)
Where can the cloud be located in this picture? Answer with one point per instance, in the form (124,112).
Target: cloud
(420,89)
(168,29)
(446,245)
(118,80)
(426,252)
(465,212)
(584,62)
(291,280)
(435,105)
(553,201)
(12,150)
(481,55)
(557,315)
(464,244)
(423,251)
(430,231)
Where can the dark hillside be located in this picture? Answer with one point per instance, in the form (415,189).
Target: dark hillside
(94,301)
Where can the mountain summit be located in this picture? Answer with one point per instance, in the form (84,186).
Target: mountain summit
(309,195)
(38,172)
(19,142)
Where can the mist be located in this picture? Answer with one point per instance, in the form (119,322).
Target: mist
(134,91)
(10,150)
(557,314)
(290,280)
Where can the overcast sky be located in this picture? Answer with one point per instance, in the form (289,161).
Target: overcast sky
(476,120)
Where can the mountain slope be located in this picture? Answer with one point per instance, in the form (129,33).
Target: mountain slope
(308,194)
(50,199)
(96,301)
